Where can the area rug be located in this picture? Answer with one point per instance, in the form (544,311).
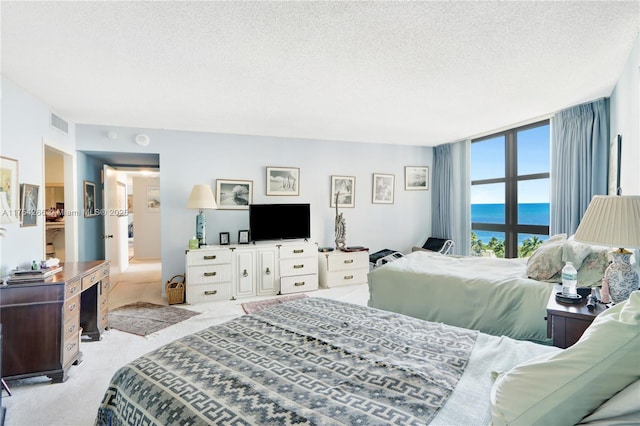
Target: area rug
(253,307)
(144,318)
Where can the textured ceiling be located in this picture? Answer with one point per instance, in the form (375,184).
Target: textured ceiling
(391,72)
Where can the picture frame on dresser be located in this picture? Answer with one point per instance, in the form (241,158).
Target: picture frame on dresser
(234,194)
(243,236)
(224,238)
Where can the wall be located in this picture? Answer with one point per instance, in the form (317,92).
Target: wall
(24,131)
(147,229)
(188,158)
(625,121)
(90,229)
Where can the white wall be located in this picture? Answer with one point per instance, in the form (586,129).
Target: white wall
(146,223)
(188,158)
(625,121)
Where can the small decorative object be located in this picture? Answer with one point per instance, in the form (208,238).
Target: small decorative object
(341,227)
(234,194)
(28,204)
(346,187)
(89,199)
(201,198)
(283,181)
(243,237)
(224,238)
(383,188)
(614,221)
(194,243)
(9,202)
(416,178)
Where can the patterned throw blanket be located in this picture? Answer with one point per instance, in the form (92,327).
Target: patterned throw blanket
(312,361)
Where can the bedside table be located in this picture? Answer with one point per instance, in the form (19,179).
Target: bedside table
(566,323)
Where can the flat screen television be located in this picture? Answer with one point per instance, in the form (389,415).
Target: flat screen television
(279,221)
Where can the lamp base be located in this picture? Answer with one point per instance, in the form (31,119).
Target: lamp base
(620,276)
(201,226)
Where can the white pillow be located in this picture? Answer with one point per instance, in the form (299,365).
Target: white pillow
(563,387)
(575,252)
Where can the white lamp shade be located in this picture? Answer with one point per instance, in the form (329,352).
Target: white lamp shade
(201,198)
(612,221)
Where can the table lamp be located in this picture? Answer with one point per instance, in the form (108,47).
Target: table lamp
(201,198)
(614,221)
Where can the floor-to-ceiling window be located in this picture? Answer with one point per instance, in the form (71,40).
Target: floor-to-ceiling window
(510,191)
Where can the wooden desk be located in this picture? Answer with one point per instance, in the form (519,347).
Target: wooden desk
(42,321)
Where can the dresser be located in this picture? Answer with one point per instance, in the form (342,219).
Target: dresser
(298,267)
(43,322)
(208,274)
(337,268)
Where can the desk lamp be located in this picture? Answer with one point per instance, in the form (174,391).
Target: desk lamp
(201,198)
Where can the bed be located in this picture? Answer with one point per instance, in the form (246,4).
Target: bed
(321,361)
(491,295)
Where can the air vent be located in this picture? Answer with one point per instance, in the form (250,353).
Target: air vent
(60,124)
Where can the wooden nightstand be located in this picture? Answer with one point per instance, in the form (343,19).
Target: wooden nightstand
(566,323)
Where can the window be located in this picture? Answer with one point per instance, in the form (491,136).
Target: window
(510,191)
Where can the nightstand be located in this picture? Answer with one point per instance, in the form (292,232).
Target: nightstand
(566,323)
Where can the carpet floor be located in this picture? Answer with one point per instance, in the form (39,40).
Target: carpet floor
(144,318)
(253,307)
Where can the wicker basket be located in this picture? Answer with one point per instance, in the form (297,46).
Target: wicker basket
(175,289)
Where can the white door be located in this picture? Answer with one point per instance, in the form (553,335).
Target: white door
(115,221)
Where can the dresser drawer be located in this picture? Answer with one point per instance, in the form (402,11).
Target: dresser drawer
(71,307)
(208,274)
(89,279)
(348,261)
(302,266)
(297,251)
(72,288)
(298,283)
(208,257)
(209,292)
(338,278)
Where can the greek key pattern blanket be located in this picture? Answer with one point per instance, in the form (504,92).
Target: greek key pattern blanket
(312,361)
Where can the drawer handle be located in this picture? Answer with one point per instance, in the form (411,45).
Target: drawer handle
(210,274)
(104,301)
(299,284)
(267,271)
(72,307)
(348,277)
(92,278)
(73,289)
(71,328)
(245,273)
(210,257)
(210,292)
(348,261)
(298,251)
(71,346)
(298,266)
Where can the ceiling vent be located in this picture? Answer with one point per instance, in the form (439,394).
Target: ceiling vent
(59,124)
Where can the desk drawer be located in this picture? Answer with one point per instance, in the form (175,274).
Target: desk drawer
(208,257)
(71,326)
(209,292)
(72,288)
(302,266)
(209,274)
(70,348)
(71,307)
(298,283)
(95,276)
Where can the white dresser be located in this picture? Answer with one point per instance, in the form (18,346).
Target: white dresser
(298,267)
(338,268)
(209,275)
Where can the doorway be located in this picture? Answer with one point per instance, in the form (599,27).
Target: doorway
(59,196)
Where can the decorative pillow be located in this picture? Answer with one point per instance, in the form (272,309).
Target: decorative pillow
(575,252)
(546,260)
(563,387)
(592,269)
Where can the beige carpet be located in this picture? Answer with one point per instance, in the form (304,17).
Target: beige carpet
(144,318)
(253,307)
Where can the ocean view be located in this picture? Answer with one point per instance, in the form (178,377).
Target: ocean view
(528,214)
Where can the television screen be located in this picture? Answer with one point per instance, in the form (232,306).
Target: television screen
(279,221)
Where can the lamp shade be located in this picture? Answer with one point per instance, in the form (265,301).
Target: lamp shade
(612,221)
(201,198)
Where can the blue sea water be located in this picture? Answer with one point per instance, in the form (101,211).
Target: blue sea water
(528,214)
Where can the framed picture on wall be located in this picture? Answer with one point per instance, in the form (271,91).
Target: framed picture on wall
(416,178)
(283,181)
(153,198)
(9,190)
(29,204)
(89,199)
(383,188)
(234,194)
(343,189)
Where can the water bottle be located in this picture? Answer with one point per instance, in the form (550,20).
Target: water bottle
(569,281)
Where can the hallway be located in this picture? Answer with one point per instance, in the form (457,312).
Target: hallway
(141,282)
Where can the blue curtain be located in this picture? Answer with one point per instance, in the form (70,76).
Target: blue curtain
(450,199)
(579,162)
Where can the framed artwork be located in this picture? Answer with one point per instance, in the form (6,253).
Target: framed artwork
(383,188)
(283,181)
(243,237)
(234,194)
(343,188)
(224,238)
(28,204)
(416,178)
(153,198)
(9,190)
(89,199)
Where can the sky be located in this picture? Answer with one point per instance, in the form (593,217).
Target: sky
(487,161)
